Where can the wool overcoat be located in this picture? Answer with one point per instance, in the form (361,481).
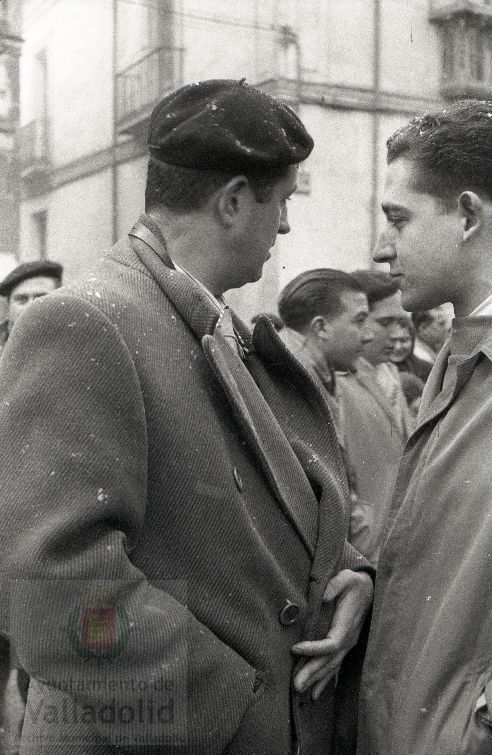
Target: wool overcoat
(170,517)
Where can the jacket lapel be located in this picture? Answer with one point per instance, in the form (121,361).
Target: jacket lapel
(257,422)
(274,454)
(436,400)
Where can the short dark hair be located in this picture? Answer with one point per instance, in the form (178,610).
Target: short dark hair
(187,189)
(375,284)
(451,149)
(312,293)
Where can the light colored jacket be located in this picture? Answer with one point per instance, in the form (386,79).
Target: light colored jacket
(374,429)
(429,662)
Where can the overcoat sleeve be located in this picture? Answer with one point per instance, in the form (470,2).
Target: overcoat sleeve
(73,455)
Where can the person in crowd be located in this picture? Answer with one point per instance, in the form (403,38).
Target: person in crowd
(326,313)
(23,285)
(173,534)
(27,282)
(432,327)
(374,415)
(274,319)
(428,671)
(403,340)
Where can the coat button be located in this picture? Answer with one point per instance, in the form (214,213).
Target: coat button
(289,614)
(238,479)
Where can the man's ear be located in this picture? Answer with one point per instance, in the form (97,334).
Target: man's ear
(231,198)
(471,211)
(319,327)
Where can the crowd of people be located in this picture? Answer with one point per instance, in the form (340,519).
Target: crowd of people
(267,540)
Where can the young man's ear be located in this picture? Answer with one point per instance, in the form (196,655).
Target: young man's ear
(231,197)
(471,211)
(319,327)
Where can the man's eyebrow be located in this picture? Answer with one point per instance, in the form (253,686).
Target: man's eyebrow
(388,208)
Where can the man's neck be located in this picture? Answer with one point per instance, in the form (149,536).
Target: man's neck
(190,246)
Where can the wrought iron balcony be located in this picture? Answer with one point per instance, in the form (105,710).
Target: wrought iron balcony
(33,148)
(142,84)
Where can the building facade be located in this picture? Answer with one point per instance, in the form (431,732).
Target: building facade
(10,49)
(355,70)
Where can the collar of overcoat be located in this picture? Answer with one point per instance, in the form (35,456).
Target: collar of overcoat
(276,457)
(435,400)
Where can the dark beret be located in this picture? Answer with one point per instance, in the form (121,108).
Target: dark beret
(45,268)
(226,125)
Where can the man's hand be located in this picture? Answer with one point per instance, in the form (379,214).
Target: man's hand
(353,592)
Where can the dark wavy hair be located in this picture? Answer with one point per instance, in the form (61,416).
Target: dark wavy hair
(312,293)
(451,149)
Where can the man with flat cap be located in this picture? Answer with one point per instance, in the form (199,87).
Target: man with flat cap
(27,282)
(173,528)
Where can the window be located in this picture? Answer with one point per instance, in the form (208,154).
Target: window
(466,34)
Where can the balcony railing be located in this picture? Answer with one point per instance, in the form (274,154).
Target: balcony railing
(140,86)
(33,145)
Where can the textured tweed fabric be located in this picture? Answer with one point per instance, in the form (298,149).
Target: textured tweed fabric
(162,503)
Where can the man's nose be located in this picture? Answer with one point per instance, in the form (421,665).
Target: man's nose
(284,226)
(384,251)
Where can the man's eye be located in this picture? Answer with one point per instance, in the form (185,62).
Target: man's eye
(396,222)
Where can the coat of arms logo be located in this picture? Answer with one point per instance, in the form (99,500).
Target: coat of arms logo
(98,628)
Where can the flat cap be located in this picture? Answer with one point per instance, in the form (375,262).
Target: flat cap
(226,125)
(46,268)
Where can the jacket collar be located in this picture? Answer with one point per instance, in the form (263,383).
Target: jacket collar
(192,303)
(435,398)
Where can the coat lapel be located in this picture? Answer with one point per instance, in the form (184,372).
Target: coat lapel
(436,400)
(274,454)
(436,397)
(257,422)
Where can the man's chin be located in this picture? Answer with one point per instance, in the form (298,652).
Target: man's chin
(410,300)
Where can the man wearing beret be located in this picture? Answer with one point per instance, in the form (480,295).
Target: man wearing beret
(23,285)
(173,528)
